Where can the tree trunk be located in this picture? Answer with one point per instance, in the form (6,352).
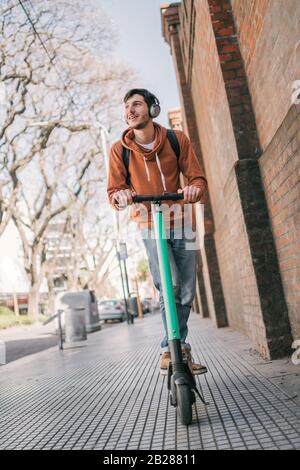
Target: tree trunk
(51,296)
(16,305)
(33,303)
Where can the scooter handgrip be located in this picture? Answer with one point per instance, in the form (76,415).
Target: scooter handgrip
(158,197)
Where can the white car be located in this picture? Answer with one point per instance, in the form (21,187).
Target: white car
(111,309)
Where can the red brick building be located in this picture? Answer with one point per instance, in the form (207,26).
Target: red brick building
(175,118)
(236,63)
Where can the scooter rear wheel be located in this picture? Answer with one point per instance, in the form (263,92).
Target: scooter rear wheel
(184,404)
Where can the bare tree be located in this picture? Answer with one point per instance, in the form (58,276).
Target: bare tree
(93,251)
(49,72)
(80,251)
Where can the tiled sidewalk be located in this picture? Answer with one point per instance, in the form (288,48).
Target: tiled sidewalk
(109,395)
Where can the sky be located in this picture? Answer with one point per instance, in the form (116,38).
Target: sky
(142,45)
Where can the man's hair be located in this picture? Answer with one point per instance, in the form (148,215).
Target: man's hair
(148,96)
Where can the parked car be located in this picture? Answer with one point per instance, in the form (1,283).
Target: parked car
(146,305)
(155,304)
(149,304)
(111,309)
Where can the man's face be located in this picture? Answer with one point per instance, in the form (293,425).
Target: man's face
(136,112)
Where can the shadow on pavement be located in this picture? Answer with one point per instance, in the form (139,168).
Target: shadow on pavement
(15,349)
(23,347)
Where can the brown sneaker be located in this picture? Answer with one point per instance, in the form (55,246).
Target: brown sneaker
(164,362)
(195,368)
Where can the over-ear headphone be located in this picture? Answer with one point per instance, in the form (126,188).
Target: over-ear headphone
(154,108)
(152,102)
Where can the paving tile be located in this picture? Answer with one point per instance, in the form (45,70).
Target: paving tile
(109,395)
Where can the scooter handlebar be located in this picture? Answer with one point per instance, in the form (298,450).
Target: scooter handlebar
(158,197)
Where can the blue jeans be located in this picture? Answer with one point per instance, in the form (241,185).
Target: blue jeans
(183,268)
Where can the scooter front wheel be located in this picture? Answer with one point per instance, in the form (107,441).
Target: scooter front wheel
(184,403)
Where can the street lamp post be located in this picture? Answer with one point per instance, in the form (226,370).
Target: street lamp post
(122,256)
(123,287)
(139,303)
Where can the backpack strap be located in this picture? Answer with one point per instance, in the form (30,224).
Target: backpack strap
(171,136)
(125,158)
(174,142)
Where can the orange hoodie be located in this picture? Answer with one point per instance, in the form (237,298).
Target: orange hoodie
(153,171)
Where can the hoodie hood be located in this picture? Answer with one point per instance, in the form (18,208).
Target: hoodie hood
(159,140)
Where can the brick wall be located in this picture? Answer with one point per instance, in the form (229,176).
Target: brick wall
(269,37)
(217,58)
(219,155)
(280,167)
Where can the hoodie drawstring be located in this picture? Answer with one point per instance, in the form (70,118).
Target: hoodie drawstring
(163,180)
(161,173)
(147,171)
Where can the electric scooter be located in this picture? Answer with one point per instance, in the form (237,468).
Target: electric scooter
(181,382)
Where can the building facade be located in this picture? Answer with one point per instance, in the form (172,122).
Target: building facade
(237,65)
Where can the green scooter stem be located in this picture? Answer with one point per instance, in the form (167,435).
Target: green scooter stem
(165,273)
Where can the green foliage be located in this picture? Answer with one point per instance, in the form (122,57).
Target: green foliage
(8,319)
(43,318)
(5,310)
(142,270)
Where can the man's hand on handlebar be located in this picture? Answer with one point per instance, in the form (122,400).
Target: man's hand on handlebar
(123,198)
(191,193)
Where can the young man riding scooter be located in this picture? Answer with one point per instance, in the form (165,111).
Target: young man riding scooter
(148,159)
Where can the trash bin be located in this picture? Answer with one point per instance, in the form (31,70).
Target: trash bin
(75,329)
(133,307)
(85,299)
